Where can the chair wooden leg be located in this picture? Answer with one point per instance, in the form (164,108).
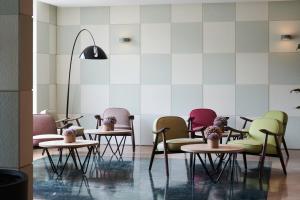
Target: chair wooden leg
(153,153)
(133,141)
(262,158)
(280,155)
(245,161)
(166,161)
(285,147)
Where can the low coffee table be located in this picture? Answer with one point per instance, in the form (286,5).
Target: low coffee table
(97,133)
(72,147)
(231,150)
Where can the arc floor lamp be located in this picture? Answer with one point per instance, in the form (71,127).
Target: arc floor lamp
(91,52)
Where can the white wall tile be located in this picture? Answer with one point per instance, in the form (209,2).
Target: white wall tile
(219,37)
(252,11)
(62,70)
(187,13)
(146,129)
(282,99)
(156,99)
(125,69)
(100,34)
(52,97)
(220,98)
(187,69)
(43,69)
(252,68)
(137,130)
(124,14)
(68,16)
(278,28)
(43,12)
(52,39)
(94,98)
(155,38)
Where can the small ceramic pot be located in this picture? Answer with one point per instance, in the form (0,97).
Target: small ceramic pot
(213,143)
(108,127)
(70,138)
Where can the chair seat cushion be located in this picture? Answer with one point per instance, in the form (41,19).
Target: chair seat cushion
(175,144)
(253,146)
(45,137)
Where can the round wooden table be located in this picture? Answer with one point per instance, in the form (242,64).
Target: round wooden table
(72,147)
(97,133)
(231,150)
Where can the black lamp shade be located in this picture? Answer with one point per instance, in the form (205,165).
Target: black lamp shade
(89,53)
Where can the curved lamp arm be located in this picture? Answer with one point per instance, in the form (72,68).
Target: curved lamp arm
(95,54)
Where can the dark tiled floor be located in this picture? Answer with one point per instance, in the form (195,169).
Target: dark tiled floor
(130,179)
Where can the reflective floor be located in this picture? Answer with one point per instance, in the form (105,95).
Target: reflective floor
(129,178)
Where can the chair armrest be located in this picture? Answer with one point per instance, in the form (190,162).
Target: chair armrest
(131,117)
(269,132)
(228,128)
(162,130)
(246,119)
(190,119)
(69,119)
(198,129)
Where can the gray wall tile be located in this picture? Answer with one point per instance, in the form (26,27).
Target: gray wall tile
(65,39)
(186,38)
(53,14)
(219,68)
(252,37)
(125,96)
(9,7)
(289,10)
(42,97)
(156,69)
(9,124)
(74,102)
(155,13)
(94,72)
(94,15)
(9,46)
(185,98)
(117,32)
(292,136)
(52,69)
(251,99)
(219,12)
(284,68)
(42,37)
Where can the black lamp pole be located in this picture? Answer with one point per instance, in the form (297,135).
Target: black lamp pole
(91,52)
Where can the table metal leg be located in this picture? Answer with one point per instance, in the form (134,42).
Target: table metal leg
(204,166)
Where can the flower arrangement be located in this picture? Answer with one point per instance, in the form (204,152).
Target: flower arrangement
(69,135)
(221,122)
(214,133)
(109,123)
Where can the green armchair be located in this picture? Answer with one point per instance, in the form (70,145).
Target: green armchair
(170,133)
(274,114)
(263,139)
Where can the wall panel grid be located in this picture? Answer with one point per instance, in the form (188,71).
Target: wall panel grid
(181,57)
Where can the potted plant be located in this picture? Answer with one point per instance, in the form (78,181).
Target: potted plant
(221,122)
(69,135)
(213,135)
(109,123)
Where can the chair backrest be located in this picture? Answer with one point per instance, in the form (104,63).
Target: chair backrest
(202,117)
(177,127)
(43,124)
(272,125)
(281,116)
(121,114)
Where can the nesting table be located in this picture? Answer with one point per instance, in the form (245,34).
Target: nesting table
(72,147)
(96,134)
(231,150)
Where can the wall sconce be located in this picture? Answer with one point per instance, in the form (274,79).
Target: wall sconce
(286,37)
(125,39)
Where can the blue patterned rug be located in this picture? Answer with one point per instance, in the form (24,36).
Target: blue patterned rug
(130,179)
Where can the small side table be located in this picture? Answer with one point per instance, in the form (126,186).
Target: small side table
(72,147)
(97,133)
(197,149)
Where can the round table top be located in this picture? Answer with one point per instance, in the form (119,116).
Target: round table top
(102,132)
(47,136)
(205,148)
(62,144)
